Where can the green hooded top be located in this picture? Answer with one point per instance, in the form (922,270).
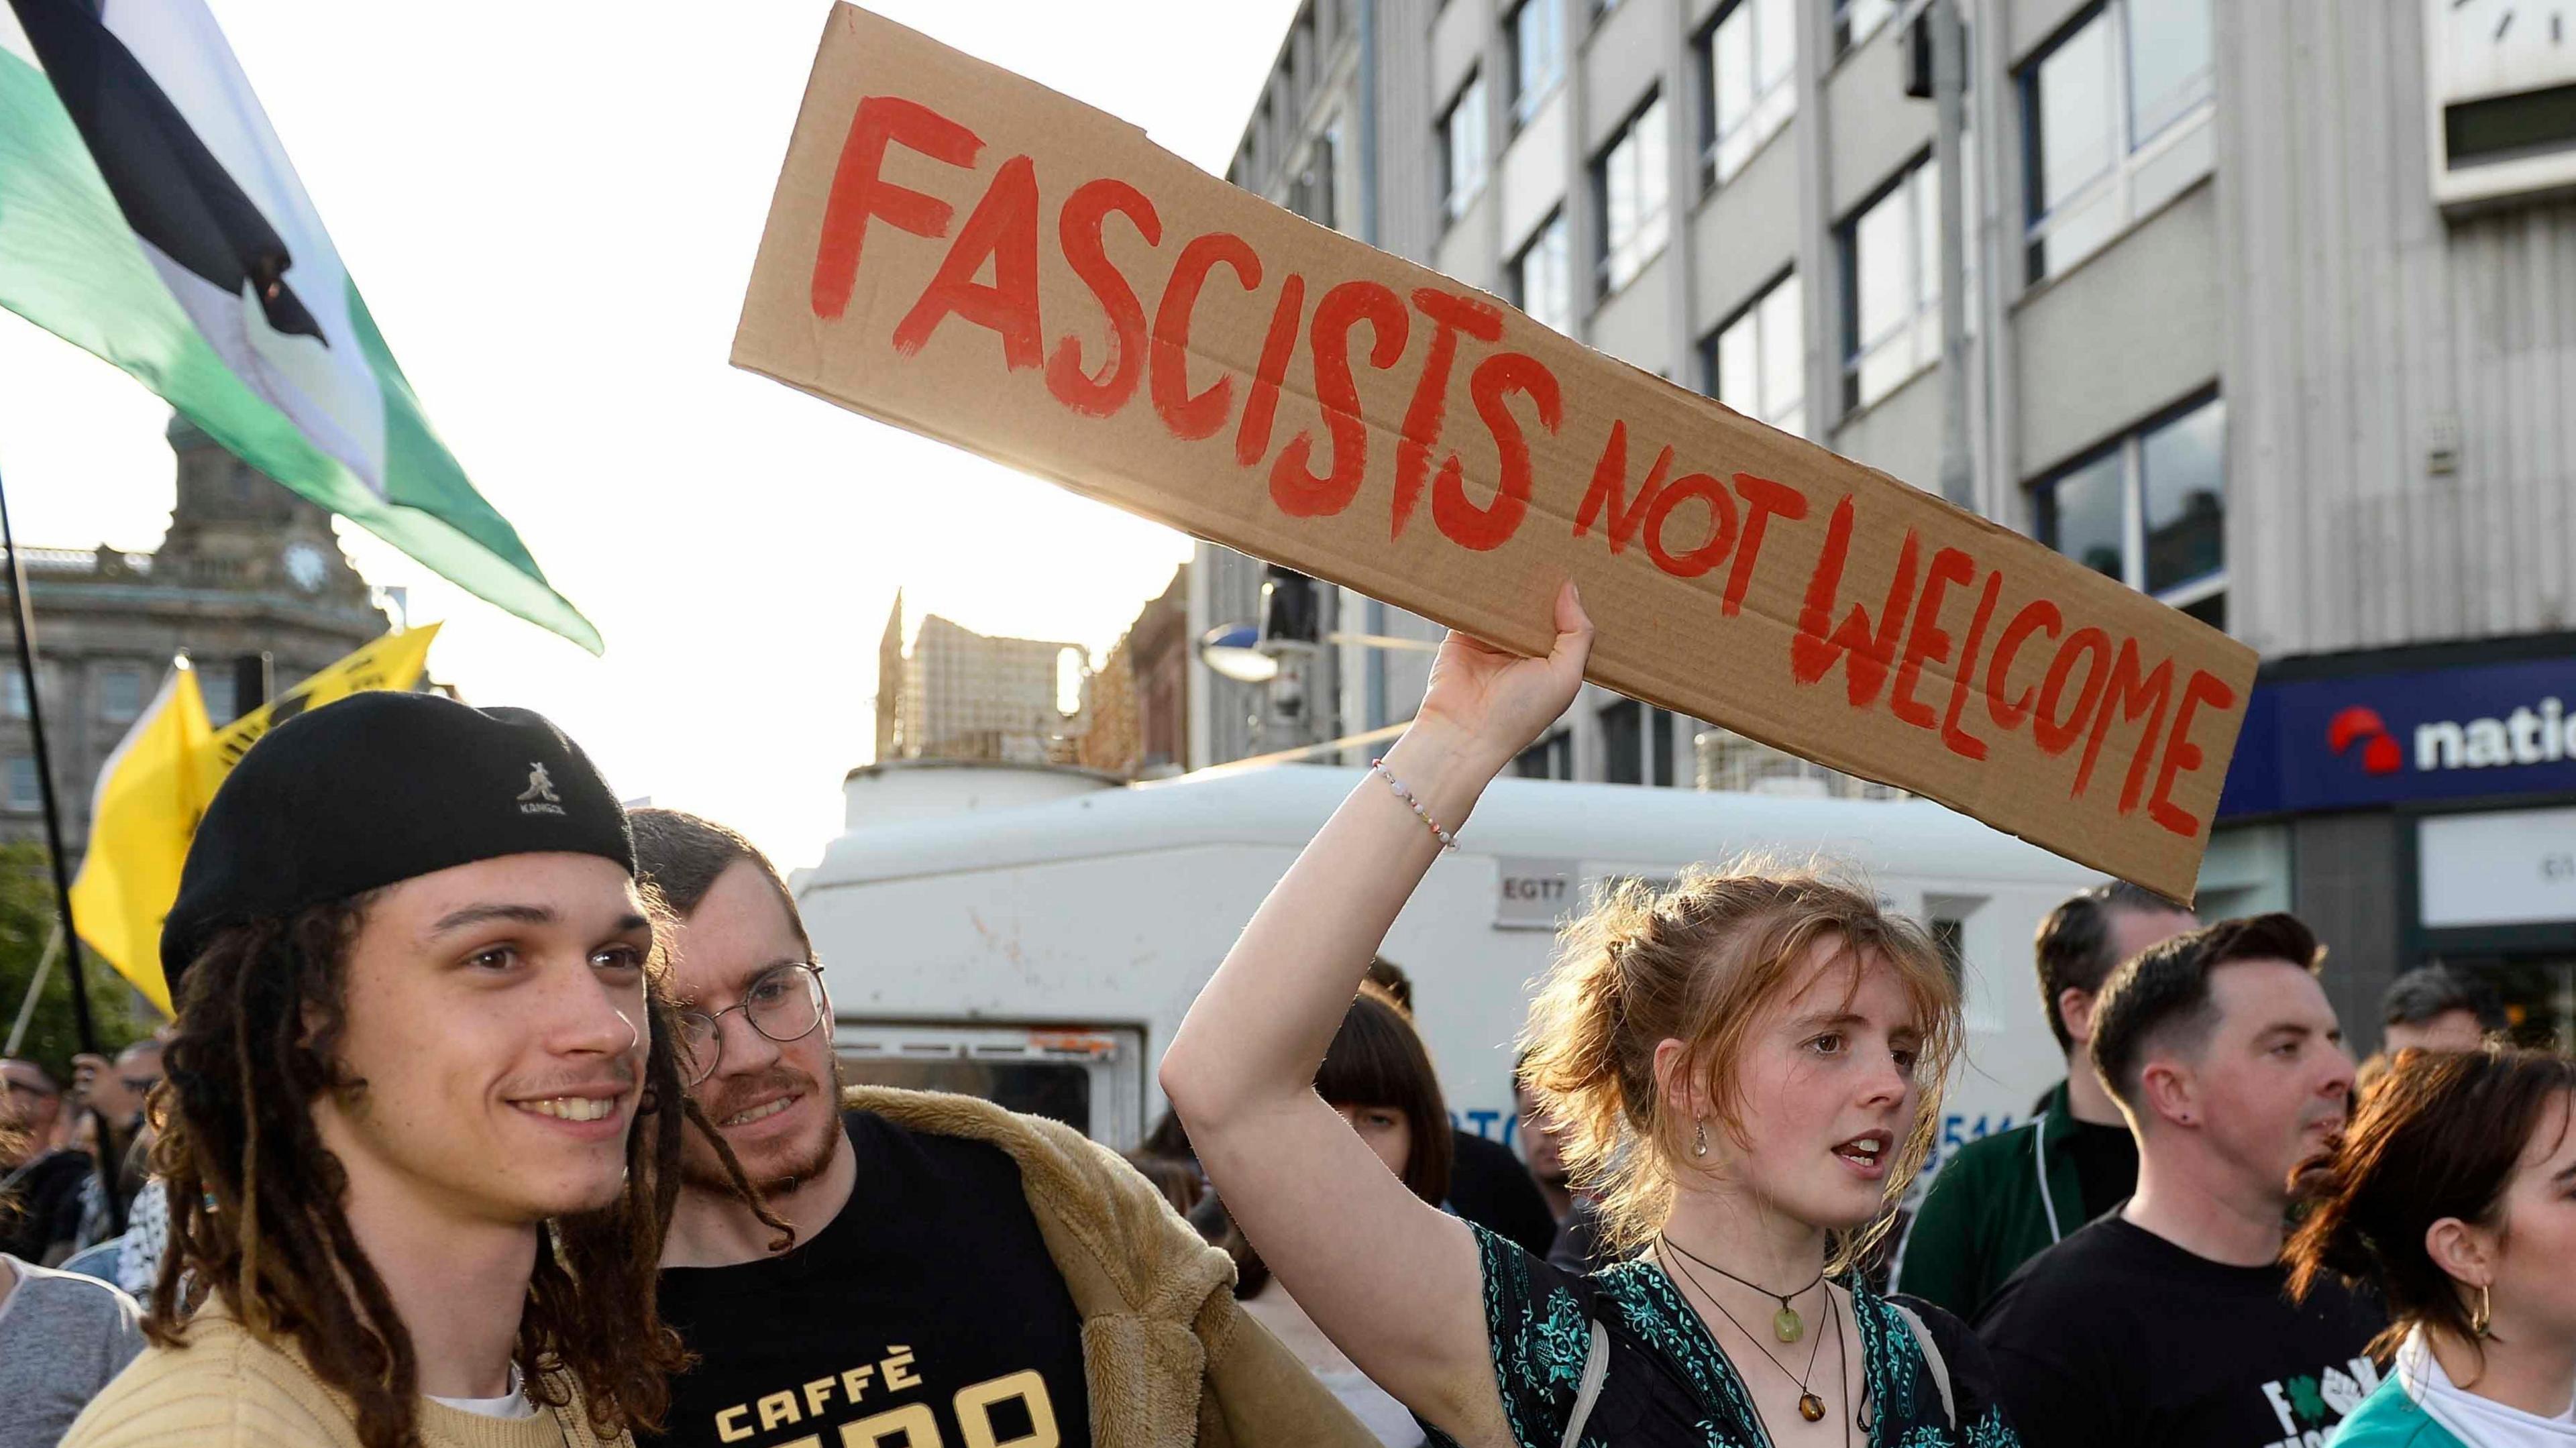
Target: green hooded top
(1999,1201)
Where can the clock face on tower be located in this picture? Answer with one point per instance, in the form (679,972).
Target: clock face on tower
(306,567)
(2501,79)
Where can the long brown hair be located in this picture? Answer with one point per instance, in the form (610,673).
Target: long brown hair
(1698,962)
(256,1197)
(2441,1135)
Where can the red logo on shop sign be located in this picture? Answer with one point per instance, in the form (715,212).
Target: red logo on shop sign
(2361,725)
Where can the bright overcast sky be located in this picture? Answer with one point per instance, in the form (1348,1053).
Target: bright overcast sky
(552,209)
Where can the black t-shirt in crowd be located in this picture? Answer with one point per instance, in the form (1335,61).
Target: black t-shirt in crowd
(2106,1165)
(40,1206)
(927,1311)
(2116,1337)
(1489,1186)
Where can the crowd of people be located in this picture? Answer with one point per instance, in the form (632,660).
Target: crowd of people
(456,1139)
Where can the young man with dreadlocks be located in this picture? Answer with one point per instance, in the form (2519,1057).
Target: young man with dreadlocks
(957,1274)
(410,1201)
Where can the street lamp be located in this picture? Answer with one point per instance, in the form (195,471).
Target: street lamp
(1233,651)
(1279,654)
(1277,651)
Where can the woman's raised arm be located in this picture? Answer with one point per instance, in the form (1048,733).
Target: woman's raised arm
(1392,1280)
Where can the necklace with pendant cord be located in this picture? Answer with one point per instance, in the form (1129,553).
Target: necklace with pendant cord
(1810,1406)
(1842,1364)
(1786,1324)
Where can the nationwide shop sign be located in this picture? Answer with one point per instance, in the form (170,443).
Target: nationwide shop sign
(2410,736)
(962,252)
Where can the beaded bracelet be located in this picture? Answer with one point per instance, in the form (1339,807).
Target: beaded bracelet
(1447,840)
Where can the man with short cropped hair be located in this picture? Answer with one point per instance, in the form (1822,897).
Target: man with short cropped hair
(2430,1008)
(2003,1199)
(2166,1323)
(2437,1008)
(952,1273)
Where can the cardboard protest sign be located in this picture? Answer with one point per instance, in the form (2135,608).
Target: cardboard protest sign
(969,255)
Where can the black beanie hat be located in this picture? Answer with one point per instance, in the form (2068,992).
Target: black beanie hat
(378,788)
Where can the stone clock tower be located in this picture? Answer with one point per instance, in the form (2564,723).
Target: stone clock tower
(234,528)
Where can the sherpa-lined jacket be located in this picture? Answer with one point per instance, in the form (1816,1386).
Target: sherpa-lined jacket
(1169,1357)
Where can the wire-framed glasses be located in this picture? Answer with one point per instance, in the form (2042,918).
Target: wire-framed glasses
(784,1003)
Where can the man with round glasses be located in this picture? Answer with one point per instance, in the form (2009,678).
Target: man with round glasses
(953,1273)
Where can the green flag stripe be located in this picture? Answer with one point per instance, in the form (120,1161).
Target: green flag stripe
(70,264)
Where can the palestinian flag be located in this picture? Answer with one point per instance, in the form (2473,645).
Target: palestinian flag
(149,215)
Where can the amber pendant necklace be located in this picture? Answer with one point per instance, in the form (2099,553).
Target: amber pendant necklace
(1786,1324)
(1810,1407)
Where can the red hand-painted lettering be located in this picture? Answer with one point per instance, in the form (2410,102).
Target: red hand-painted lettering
(1928,642)
(1721,525)
(1450,314)
(1867,653)
(859,191)
(1004,231)
(1078,231)
(2130,696)
(2183,756)
(1490,386)
(1294,486)
(1763,501)
(1261,407)
(2038,615)
(1953,737)
(1609,480)
(1190,417)
(2056,732)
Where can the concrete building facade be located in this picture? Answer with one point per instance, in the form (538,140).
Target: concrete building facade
(247,570)
(1139,701)
(2272,315)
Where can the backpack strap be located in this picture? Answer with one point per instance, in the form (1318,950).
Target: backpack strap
(1932,1358)
(1596,1371)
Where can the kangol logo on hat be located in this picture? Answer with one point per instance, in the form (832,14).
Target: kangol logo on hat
(360,793)
(540,797)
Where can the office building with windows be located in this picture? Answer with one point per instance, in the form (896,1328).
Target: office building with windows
(960,694)
(2271,314)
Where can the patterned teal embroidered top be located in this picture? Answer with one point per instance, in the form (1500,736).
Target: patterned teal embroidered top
(1670,1384)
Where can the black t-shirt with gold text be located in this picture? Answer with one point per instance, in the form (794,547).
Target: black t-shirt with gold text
(926,1313)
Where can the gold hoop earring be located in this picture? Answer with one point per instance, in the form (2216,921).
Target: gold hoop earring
(1699,1143)
(2482,1321)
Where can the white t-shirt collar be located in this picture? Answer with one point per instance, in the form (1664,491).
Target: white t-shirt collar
(2476,1421)
(513,1404)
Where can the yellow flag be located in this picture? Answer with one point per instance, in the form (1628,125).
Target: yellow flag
(141,819)
(392,662)
(156,786)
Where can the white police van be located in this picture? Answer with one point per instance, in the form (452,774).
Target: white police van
(1034,935)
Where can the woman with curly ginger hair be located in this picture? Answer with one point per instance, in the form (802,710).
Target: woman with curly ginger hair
(417,1174)
(1746,1067)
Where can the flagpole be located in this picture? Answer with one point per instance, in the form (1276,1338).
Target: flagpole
(35,988)
(45,773)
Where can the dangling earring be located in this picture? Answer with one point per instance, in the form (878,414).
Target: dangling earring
(2482,1321)
(1699,1142)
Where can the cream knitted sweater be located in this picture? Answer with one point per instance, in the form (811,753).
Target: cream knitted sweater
(228,1388)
